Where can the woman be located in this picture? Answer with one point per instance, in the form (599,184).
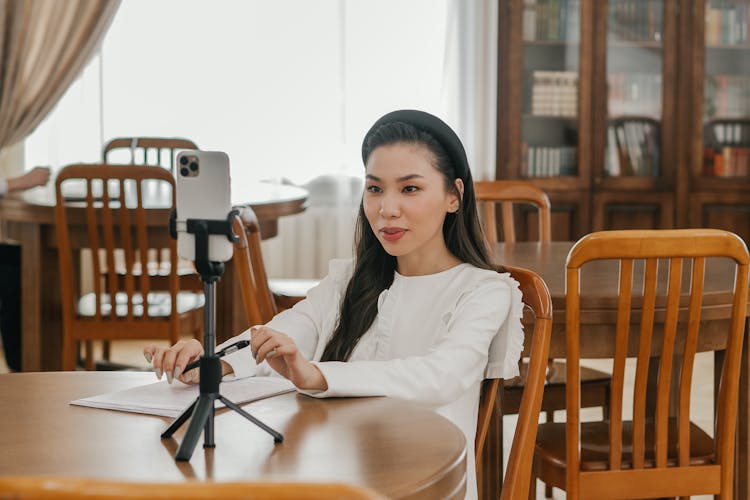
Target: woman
(419,314)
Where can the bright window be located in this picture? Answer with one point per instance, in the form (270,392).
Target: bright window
(287,88)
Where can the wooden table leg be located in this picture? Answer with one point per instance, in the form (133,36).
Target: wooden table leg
(29,236)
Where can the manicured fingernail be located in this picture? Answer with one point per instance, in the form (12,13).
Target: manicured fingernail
(169,377)
(177,372)
(271,354)
(147,356)
(158,373)
(194,376)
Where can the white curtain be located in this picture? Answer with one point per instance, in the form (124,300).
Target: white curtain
(470,85)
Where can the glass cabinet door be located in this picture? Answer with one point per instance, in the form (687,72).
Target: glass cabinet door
(634,62)
(549,109)
(726,90)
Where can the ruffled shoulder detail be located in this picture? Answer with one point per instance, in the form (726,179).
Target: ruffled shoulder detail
(507,345)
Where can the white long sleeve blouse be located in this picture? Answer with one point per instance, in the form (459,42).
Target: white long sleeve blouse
(430,342)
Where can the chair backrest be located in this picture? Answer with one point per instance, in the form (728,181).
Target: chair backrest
(67,488)
(248,259)
(536,300)
(115,223)
(508,193)
(676,310)
(146,150)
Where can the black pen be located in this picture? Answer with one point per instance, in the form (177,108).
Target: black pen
(227,350)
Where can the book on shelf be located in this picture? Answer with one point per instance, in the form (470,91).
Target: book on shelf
(636,20)
(727,23)
(548,161)
(632,148)
(634,93)
(727,95)
(554,93)
(727,162)
(550,20)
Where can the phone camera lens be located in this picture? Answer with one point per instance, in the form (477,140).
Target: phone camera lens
(194,166)
(185,172)
(183,160)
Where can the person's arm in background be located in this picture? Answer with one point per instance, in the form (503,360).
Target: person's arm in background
(37,176)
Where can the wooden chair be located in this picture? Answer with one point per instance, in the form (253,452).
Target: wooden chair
(139,310)
(507,194)
(146,150)
(259,302)
(663,455)
(155,151)
(517,477)
(68,488)
(596,384)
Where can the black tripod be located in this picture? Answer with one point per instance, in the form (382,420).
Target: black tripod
(201,411)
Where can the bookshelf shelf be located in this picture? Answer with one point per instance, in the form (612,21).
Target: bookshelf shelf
(674,64)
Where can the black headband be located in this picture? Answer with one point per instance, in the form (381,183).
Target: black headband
(433,126)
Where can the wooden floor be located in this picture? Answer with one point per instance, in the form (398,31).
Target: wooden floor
(129,352)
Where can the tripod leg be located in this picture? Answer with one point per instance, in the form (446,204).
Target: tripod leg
(277,437)
(177,423)
(203,408)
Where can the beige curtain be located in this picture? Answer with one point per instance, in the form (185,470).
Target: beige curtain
(44,44)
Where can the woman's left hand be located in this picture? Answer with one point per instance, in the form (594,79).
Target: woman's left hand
(281,353)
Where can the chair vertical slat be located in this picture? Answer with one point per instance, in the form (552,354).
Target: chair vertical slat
(127,249)
(573,386)
(509,225)
(174,280)
(641,371)
(267,303)
(158,156)
(688,359)
(665,363)
(618,371)
(93,236)
(109,246)
(490,227)
(142,236)
(729,386)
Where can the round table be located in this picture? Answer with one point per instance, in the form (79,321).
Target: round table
(28,218)
(392,446)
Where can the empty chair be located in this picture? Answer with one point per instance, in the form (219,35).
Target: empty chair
(114,221)
(595,383)
(508,194)
(159,151)
(248,260)
(537,300)
(68,488)
(658,453)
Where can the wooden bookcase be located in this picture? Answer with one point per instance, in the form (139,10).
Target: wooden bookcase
(606,105)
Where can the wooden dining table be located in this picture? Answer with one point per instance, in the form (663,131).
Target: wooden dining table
(392,446)
(598,318)
(28,219)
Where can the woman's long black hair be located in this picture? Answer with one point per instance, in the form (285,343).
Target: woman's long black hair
(374,267)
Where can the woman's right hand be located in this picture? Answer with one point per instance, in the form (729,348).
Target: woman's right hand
(173,360)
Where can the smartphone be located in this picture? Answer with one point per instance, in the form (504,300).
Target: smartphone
(203,192)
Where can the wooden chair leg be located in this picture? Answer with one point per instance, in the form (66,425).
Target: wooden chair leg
(532,484)
(106,350)
(90,355)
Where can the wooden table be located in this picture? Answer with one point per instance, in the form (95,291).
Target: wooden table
(391,446)
(599,313)
(29,219)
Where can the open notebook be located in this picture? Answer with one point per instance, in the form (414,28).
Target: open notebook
(167,400)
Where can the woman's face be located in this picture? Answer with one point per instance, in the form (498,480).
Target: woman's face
(405,202)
